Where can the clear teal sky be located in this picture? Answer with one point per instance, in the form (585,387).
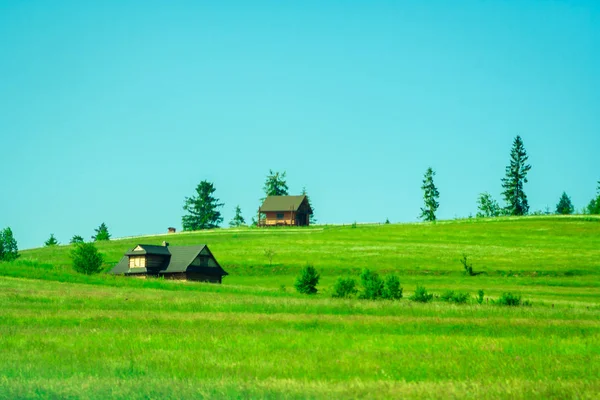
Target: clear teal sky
(113,111)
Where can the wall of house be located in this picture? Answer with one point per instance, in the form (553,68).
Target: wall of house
(271,218)
(204,261)
(154,261)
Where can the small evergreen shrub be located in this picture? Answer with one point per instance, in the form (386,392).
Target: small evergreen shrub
(420,295)
(372,285)
(480,296)
(307,281)
(391,288)
(76,239)
(344,288)
(86,259)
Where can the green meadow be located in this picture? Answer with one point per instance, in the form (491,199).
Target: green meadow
(66,335)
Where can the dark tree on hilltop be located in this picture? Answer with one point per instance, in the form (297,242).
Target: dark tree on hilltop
(51,241)
(594,206)
(237,220)
(487,206)
(312,218)
(101,233)
(430,195)
(275,185)
(564,205)
(516,176)
(202,209)
(76,239)
(8,245)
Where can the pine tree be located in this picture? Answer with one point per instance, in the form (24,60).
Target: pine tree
(516,177)
(275,185)
(101,233)
(564,205)
(594,205)
(312,220)
(76,239)
(430,195)
(51,241)
(202,209)
(237,220)
(487,206)
(8,246)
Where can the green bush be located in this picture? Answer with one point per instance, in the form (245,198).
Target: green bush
(307,281)
(512,300)
(480,296)
(451,296)
(372,285)
(344,288)
(86,259)
(421,295)
(392,289)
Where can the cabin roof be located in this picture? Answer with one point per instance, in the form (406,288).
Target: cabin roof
(282,203)
(149,249)
(177,259)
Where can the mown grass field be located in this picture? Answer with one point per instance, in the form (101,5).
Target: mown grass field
(70,336)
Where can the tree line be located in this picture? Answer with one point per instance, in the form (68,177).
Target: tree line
(513,191)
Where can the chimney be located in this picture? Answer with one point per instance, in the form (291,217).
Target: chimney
(166,244)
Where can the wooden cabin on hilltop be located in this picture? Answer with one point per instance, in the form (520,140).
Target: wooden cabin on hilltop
(193,263)
(284,210)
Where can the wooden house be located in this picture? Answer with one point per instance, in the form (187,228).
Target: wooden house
(194,263)
(284,210)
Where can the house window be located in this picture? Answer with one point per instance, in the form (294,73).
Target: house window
(279,215)
(136,262)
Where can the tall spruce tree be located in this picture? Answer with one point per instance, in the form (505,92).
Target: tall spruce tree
(275,184)
(237,220)
(430,195)
(202,209)
(516,177)
(564,205)
(311,218)
(8,245)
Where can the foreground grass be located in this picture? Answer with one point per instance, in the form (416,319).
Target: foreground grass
(65,335)
(65,339)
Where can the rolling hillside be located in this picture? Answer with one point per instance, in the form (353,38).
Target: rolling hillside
(68,335)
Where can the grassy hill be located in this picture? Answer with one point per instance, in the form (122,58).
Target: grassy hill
(67,335)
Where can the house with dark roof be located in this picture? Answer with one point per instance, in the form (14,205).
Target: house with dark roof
(194,263)
(284,210)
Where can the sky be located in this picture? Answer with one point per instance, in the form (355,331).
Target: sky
(114,111)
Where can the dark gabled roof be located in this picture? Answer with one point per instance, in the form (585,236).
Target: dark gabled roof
(149,249)
(178,259)
(282,203)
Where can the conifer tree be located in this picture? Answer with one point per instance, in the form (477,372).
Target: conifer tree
(76,239)
(51,241)
(312,220)
(430,195)
(275,185)
(594,205)
(101,233)
(564,205)
(202,209)
(237,220)
(516,177)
